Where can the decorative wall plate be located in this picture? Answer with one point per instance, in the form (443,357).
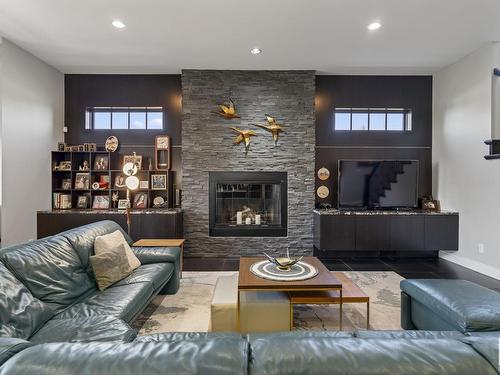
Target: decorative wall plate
(111,144)
(323,192)
(158,201)
(323,174)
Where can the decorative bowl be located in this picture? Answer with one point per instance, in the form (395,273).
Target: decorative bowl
(283,263)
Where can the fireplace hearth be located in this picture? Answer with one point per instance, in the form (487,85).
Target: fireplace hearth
(248,204)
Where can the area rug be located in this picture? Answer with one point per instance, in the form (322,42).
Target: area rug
(189,309)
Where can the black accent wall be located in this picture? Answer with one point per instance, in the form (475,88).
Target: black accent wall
(411,92)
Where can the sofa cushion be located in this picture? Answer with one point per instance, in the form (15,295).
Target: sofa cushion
(204,357)
(332,356)
(21,314)
(413,335)
(465,305)
(123,301)
(109,241)
(51,269)
(488,347)
(110,266)
(157,274)
(94,328)
(10,347)
(186,336)
(82,238)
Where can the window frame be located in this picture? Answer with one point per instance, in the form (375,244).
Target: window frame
(407,119)
(91,111)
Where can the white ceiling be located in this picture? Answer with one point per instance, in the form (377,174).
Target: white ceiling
(330,36)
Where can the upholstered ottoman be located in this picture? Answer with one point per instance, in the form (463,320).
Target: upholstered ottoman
(259,311)
(444,305)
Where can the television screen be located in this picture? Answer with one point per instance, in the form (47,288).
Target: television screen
(378,184)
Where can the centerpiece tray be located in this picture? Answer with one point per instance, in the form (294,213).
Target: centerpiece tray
(299,271)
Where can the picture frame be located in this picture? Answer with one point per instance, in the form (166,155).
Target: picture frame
(82,181)
(135,159)
(101,202)
(61,146)
(82,201)
(74,148)
(141,200)
(92,147)
(158,182)
(123,204)
(144,184)
(120,182)
(64,165)
(431,205)
(81,148)
(66,184)
(101,162)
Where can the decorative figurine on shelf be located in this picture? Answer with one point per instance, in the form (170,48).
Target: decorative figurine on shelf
(114,198)
(273,127)
(84,166)
(111,144)
(244,136)
(227,110)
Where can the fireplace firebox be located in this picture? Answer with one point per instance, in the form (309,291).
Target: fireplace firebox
(248,204)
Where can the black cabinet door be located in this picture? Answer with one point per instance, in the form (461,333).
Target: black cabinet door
(407,233)
(441,232)
(372,233)
(338,233)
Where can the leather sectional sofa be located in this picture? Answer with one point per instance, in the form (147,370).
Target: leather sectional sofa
(50,294)
(60,324)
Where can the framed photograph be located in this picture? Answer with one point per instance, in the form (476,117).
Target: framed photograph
(431,205)
(120,182)
(81,148)
(82,181)
(123,204)
(101,162)
(141,200)
(92,147)
(82,202)
(66,184)
(61,146)
(74,148)
(159,182)
(136,159)
(101,201)
(65,166)
(143,184)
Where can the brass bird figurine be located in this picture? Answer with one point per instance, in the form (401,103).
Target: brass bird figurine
(227,110)
(243,136)
(273,127)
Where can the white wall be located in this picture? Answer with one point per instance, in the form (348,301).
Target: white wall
(463,180)
(31,122)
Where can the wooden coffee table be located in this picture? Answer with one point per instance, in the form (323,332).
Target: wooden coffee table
(324,281)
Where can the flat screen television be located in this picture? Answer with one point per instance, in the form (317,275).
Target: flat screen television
(378,184)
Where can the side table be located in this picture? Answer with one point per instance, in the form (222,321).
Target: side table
(158,242)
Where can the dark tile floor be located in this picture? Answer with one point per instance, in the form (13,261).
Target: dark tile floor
(433,268)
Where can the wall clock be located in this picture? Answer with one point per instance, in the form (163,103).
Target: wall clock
(323,174)
(162,153)
(111,144)
(323,192)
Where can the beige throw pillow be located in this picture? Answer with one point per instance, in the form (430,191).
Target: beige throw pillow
(104,243)
(110,266)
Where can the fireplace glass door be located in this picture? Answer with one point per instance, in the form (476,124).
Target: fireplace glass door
(248,203)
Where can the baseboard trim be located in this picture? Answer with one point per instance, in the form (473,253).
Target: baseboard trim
(471,264)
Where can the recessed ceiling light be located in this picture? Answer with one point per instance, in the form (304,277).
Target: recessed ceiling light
(255,51)
(118,24)
(374,26)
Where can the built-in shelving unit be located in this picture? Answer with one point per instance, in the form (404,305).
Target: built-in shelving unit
(110,174)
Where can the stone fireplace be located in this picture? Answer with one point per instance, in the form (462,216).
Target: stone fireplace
(208,147)
(248,204)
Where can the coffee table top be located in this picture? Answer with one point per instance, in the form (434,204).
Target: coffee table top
(324,280)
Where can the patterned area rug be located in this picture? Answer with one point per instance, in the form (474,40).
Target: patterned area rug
(189,309)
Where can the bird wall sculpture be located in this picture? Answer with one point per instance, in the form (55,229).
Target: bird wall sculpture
(227,110)
(243,136)
(273,127)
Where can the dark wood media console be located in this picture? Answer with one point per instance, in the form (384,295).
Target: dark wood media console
(157,223)
(384,231)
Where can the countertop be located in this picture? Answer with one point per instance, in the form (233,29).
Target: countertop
(156,211)
(334,211)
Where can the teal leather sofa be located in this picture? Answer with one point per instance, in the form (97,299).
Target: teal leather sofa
(48,292)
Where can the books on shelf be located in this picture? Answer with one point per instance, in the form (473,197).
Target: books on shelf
(61,201)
